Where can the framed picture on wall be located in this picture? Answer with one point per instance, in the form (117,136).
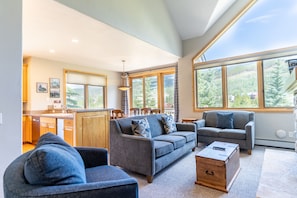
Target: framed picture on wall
(54,87)
(41,87)
(54,93)
(54,83)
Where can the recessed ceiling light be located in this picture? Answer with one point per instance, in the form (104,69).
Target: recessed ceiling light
(52,51)
(75,40)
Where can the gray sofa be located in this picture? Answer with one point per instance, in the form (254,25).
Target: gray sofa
(148,156)
(242,130)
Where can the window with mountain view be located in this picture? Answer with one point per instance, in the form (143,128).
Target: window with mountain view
(242,85)
(253,58)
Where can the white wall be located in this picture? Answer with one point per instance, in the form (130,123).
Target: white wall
(147,20)
(40,70)
(10,82)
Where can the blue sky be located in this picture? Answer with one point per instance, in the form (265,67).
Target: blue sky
(269,24)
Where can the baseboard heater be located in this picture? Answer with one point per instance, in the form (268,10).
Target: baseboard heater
(275,143)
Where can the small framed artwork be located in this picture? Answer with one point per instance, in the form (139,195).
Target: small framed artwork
(54,93)
(54,87)
(54,83)
(41,87)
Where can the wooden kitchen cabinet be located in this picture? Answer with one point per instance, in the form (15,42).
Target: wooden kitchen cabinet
(27,129)
(25,83)
(92,128)
(47,125)
(69,132)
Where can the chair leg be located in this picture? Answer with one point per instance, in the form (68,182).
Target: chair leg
(149,178)
(249,151)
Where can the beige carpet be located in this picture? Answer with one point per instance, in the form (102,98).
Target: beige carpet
(279,174)
(179,179)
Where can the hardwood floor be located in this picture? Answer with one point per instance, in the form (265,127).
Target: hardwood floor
(27,147)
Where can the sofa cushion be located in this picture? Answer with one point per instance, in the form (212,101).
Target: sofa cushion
(224,120)
(233,134)
(162,148)
(141,127)
(190,136)
(209,131)
(54,162)
(177,141)
(156,124)
(169,123)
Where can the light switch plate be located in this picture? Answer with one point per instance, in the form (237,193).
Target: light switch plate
(1,121)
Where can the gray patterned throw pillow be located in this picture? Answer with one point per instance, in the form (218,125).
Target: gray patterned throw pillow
(169,124)
(141,127)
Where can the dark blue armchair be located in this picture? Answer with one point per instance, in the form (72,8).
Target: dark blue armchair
(102,180)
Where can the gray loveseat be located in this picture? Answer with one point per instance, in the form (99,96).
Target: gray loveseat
(242,130)
(148,156)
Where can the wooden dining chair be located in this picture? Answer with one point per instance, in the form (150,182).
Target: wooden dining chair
(155,111)
(117,113)
(134,111)
(146,111)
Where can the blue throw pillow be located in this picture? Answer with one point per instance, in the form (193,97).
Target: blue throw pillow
(141,127)
(54,162)
(225,120)
(169,124)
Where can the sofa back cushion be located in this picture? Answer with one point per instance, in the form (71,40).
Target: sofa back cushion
(54,162)
(155,123)
(240,118)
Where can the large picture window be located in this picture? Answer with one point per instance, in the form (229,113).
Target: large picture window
(275,77)
(209,88)
(256,81)
(85,90)
(242,85)
(153,89)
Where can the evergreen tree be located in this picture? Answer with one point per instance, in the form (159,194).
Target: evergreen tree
(71,98)
(209,91)
(274,95)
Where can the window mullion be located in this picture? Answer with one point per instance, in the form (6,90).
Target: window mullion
(86,96)
(224,86)
(260,84)
(143,90)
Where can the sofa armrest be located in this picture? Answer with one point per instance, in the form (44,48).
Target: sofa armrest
(112,188)
(132,152)
(250,133)
(199,123)
(185,127)
(93,156)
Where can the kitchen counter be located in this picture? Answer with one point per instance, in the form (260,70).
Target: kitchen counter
(83,127)
(57,115)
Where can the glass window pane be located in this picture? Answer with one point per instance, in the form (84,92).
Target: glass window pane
(276,75)
(95,97)
(168,82)
(209,87)
(151,92)
(242,84)
(75,96)
(137,92)
(257,24)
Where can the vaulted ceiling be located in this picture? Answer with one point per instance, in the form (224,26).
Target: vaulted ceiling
(54,31)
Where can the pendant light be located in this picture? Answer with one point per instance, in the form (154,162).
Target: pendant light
(124,79)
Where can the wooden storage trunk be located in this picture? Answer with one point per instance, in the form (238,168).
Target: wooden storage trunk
(218,168)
